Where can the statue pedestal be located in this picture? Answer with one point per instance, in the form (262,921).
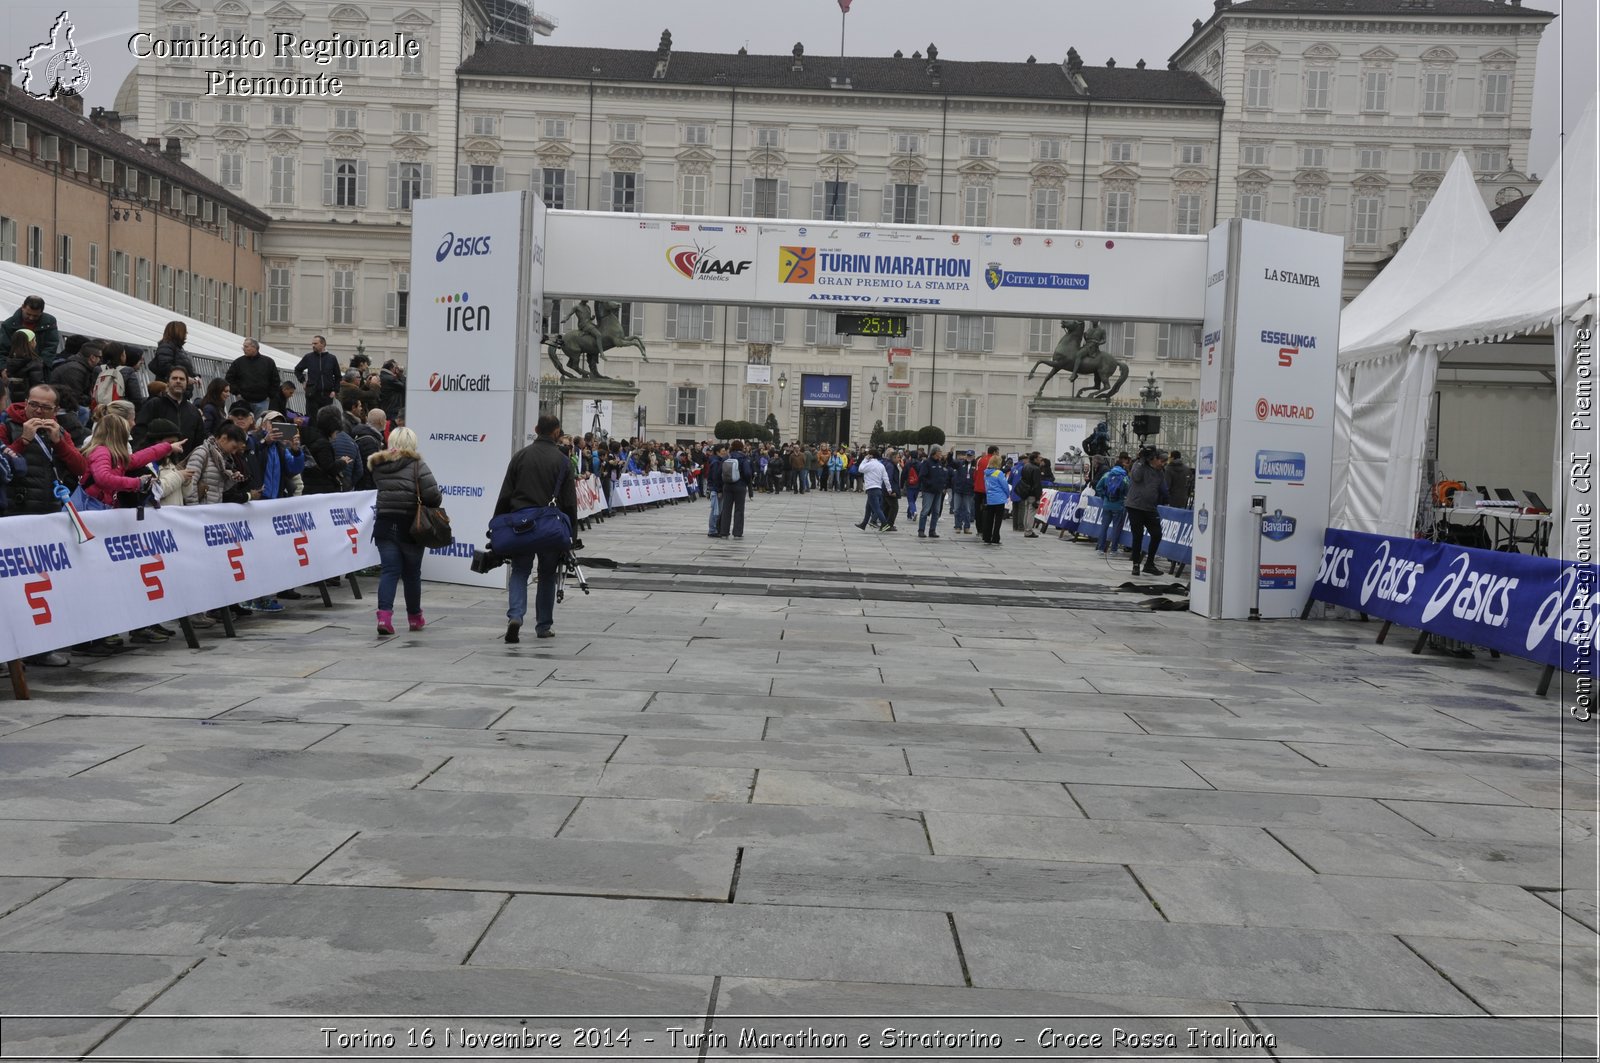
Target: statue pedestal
(573,400)
(1062,423)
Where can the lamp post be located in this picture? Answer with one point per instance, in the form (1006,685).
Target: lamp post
(783,386)
(872,386)
(638,422)
(1151,392)
(361,348)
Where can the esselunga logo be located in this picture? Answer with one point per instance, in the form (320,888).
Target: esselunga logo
(458,382)
(694,262)
(462,247)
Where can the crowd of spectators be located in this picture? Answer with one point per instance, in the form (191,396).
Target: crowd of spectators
(120,429)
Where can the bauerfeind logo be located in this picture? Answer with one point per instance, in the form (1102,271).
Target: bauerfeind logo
(54,66)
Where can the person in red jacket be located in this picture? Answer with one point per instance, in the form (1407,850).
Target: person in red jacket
(978,489)
(114,467)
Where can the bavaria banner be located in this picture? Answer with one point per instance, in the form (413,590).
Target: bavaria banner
(477,272)
(178,561)
(898,268)
(1542,609)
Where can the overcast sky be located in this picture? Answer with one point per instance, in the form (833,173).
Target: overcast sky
(1127,30)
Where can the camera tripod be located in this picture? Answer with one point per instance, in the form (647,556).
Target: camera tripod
(569,569)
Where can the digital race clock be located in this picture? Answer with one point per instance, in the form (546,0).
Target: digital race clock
(869,324)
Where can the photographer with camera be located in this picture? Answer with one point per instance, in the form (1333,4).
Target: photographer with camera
(539,475)
(1145,488)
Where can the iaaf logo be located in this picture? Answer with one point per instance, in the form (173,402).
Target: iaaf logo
(465,247)
(1282,411)
(695,263)
(1484,598)
(458,382)
(1394,579)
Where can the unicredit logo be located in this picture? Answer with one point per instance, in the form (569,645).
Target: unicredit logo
(465,247)
(458,382)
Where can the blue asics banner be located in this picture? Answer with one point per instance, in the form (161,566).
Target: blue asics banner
(1539,608)
(1080,515)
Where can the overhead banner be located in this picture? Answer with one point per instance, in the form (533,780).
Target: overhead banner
(1034,272)
(477,269)
(832,392)
(178,561)
(1268,357)
(1543,609)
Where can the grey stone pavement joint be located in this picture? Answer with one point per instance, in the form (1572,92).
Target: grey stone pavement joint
(817,771)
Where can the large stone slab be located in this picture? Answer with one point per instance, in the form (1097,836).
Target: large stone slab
(286,765)
(771,941)
(696,822)
(856,708)
(179,733)
(105,798)
(1032,1024)
(777,875)
(1107,842)
(329,686)
(1143,747)
(1511,822)
(914,793)
(1516,977)
(55,760)
(1441,859)
(34,983)
(1237,808)
(724,727)
(1226,963)
(1338,902)
(1067,768)
(16,892)
(451,741)
(1294,727)
(368,809)
(307,997)
(899,733)
(514,775)
(1325,1033)
(464,862)
(1347,782)
(459,712)
(319,925)
(180,851)
(814,756)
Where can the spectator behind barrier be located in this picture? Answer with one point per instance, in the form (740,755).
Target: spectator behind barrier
(41,327)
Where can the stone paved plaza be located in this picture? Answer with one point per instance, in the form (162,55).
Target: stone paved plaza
(813,772)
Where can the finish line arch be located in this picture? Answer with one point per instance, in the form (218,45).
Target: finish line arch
(1267,298)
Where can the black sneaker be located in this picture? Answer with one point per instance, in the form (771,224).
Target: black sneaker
(514,631)
(95,649)
(545,633)
(293,596)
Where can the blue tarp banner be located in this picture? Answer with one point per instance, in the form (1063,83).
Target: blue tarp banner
(1080,515)
(1539,608)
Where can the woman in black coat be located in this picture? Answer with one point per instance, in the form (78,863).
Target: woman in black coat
(401,477)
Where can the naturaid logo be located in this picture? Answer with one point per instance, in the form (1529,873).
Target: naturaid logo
(54,66)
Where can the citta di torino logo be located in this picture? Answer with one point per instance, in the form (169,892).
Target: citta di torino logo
(458,382)
(465,247)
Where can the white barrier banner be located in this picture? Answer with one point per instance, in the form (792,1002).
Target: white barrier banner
(179,560)
(639,489)
(591,499)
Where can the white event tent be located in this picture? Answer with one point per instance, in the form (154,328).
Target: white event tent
(90,309)
(1540,273)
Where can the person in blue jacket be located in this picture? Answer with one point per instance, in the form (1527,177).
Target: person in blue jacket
(734,491)
(996,493)
(933,477)
(1112,488)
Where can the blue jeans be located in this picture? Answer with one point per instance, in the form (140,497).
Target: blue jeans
(911,502)
(259,408)
(716,508)
(874,506)
(833,479)
(402,561)
(932,506)
(962,506)
(544,601)
(1111,528)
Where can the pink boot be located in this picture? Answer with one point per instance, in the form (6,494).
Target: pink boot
(386,621)
(415,621)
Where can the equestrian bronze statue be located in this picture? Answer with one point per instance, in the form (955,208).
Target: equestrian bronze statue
(591,339)
(1080,351)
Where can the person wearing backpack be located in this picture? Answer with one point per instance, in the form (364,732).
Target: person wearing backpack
(1112,488)
(735,486)
(74,378)
(109,384)
(913,484)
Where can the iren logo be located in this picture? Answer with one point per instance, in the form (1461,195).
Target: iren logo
(461,316)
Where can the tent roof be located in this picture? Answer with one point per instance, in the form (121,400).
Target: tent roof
(1539,270)
(94,310)
(1453,233)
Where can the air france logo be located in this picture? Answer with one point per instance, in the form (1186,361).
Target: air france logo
(465,247)
(1282,466)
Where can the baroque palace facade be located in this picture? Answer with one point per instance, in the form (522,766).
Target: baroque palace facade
(1337,116)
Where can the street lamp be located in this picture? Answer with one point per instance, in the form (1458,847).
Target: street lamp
(1151,392)
(872,386)
(783,384)
(361,348)
(638,421)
